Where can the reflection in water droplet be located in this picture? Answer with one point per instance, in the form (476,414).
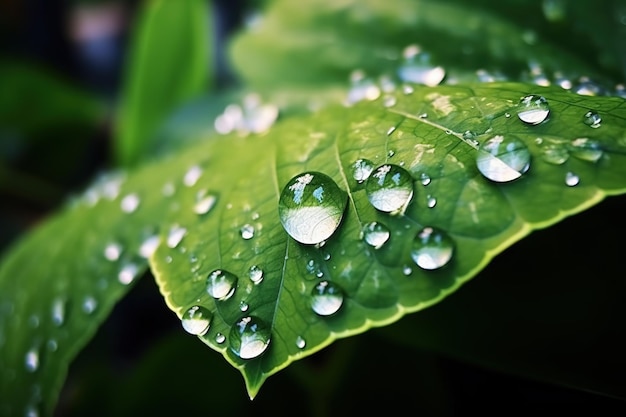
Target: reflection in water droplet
(112,251)
(31,360)
(533,109)
(220,338)
(256,274)
(362,169)
(128,273)
(247,231)
(554,154)
(571,179)
(129,203)
(592,119)
(249,337)
(89,304)
(311,207)
(432,248)
(503,159)
(221,284)
(197,320)
(175,235)
(192,176)
(326,298)
(375,234)
(586,149)
(58,311)
(389,188)
(300,342)
(204,202)
(148,246)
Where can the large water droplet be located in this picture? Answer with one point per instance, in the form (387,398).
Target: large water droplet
(362,169)
(130,203)
(326,298)
(533,109)
(375,234)
(249,337)
(389,188)
(256,274)
(221,284)
(592,119)
(112,251)
(503,159)
(432,248)
(197,320)
(311,207)
(31,360)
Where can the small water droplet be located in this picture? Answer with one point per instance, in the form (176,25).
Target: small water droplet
(554,154)
(197,320)
(592,119)
(361,88)
(220,338)
(389,100)
(31,360)
(375,234)
(389,188)
(431,201)
(128,273)
(571,179)
(175,235)
(192,176)
(503,159)
(247,231)
(418,69)
(52,345)
(112,251)
(326,298)
(586,149)
(432,248)
(221,284)
(249,337)
(533,109)
(89,304)
(300,342)
(424,179)
(391,130)
(204,202)
(407,89)
(256,274)
(311,207)
(148,246)
(243,306)
(58,311)
(130,203)
(407,270)
(362,169)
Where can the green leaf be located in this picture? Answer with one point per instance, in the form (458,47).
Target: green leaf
(169,64)
(434,134)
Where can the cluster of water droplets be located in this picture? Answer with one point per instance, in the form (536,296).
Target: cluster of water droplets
(253,116)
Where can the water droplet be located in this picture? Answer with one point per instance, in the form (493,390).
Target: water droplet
(592,119)
(89,304)
(311,207)
(391,130)
(175,235)
(243,306)
(389,188)
(52,345)
(424,179)
(31,360)
(58,311)
(197,320)
(407,89)
(148,246)
(220,338)
(432,248)
(375,234)
(389,100)
(129,203)
(326,298)
(407,270)
(418,69)
(431,201)
(362,169)
(300,342)
(503,159)
(221,284)
(256,274)
(112,251)
(361,88)
(257,116)
(247,231)
(571,179)
(204,203)
(249,337)
(192,176)
(128,273)
(586,149)
(533,109)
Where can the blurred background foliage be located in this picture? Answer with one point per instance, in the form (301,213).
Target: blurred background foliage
(64,68)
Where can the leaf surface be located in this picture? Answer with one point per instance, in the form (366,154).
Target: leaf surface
(434,134)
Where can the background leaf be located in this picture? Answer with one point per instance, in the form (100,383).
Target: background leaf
(426,132)
(169,64)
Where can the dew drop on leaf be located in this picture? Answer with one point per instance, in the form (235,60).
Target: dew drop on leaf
(503,159)
(431,201)
(300,342)
(247,231)
(196,320)
(89,304)
(424,179)
(249,337)
(148,246)
(255,274)
(58,311)
(389,188)
(571,179)
(175,235)
(361,88)
(128,273)
(221,284)
(533,109)
(586,149)
(361,170)
(112,251)
(311,207)
(375,234)
(31,359)
(220,338)
(417,68)
(52,345)
(130,203)
(204,203)
(431,248)
(389,100)
(192,176)
(326,298)
(592,119)
(554,154)
(407,270)
(243,306)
